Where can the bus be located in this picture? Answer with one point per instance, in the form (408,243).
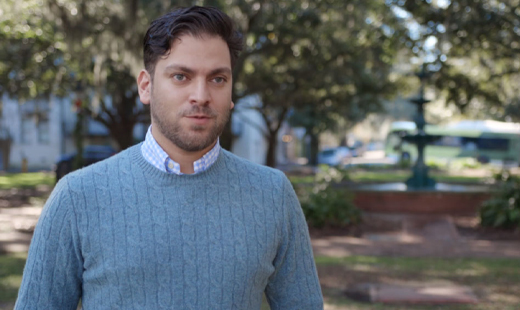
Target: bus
(485,140)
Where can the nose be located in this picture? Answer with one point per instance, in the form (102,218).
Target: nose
(200,93)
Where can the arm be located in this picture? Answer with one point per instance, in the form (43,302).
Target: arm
(52,274)
(294,284)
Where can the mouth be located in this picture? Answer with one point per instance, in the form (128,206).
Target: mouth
(199,116)
(199,119)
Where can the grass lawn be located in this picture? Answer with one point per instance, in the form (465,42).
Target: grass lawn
(11,268)
(496,282)
(26,180)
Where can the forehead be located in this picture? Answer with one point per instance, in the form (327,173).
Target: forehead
(204,52)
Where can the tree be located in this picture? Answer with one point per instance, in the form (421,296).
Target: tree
(475,55)
(104,39)
(324,59)
(327,57)
(49,55)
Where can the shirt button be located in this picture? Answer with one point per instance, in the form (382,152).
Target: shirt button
(170,165)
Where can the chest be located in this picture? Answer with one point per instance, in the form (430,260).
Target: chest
(189,238)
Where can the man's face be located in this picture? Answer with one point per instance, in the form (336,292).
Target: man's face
(190,93)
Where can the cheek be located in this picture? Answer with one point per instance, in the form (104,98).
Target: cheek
(224,100)
(166,99)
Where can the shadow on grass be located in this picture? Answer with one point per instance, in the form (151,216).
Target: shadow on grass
(494,281)
(11,269)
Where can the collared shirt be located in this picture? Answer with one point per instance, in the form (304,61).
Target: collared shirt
(155,155)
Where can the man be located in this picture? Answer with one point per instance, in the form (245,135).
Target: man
(175,222)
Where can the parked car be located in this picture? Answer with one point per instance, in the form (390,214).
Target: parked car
(357,149)
(334,156)
(91,154)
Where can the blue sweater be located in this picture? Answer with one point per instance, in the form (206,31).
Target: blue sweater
(121,234)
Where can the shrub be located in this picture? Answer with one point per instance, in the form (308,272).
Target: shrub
(503,209)
(404,163)
(326,203)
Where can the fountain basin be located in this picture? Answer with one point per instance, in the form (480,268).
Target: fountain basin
(448,199)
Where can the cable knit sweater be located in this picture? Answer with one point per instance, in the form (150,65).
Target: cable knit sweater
(121,234)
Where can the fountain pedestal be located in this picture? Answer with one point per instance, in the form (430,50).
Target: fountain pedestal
(420,178)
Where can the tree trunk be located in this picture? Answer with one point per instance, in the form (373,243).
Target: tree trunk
(226,138)
(123,134)
(270,158)
(314,147)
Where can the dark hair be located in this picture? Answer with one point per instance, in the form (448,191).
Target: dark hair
(196,21)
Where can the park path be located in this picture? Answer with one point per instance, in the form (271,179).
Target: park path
(16,226)
(341,246)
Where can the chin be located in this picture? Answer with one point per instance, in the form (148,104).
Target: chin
(195,142)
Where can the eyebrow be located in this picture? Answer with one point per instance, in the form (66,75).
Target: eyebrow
(174,67)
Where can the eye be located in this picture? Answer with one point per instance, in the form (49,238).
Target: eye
(179,77)
(219,80)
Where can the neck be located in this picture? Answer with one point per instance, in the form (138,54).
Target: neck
(184,158)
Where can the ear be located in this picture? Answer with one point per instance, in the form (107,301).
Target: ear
(232,105)
(144,85)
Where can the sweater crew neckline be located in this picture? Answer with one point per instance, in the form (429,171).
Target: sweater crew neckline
(168,179)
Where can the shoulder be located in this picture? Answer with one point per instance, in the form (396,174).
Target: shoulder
(245,167)
(270,181)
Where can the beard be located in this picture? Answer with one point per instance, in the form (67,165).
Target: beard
(190,138)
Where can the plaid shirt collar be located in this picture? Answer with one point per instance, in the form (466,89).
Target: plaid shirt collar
(157,157)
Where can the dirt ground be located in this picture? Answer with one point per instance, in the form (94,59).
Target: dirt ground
(417,236)
(467,227)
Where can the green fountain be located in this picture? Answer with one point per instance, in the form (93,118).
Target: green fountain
(420,178)
(420,194)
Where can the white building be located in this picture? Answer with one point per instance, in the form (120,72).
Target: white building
(40,131)
(248,128)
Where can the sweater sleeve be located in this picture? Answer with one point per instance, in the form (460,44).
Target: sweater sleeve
(52,274)
(294,284)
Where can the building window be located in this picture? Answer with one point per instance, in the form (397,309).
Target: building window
(27,126)
(43,131)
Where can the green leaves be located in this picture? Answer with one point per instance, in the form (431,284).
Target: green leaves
(326,204)
(503,210)
(475,54)
(321,60)
(89,49)
(31,54)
